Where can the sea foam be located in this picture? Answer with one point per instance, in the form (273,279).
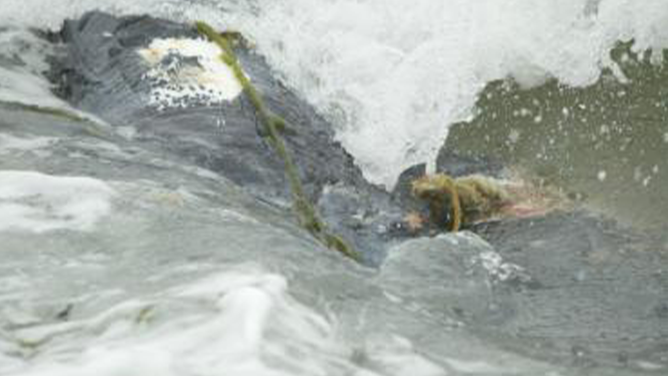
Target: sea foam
(392,75)
(36,202)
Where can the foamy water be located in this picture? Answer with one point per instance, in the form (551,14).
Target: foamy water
(36,202)
(392,74)
(230,322)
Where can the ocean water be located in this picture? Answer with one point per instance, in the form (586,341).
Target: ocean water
(119,261)
(391,75)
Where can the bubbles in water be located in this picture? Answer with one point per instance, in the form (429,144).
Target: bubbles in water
(32,201)
(401,74)
(393,74)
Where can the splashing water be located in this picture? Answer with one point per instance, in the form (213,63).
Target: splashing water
(159,275)
(393,74)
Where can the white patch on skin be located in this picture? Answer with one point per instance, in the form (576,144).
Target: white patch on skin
(36,202)
(210,81)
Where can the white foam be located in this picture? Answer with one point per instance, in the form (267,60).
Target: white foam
(10,144)
(394,355)
(21,81)
(36,202)
(209,81)
(27,88)
(22,12)
(241,319)
(498,268)
(393,74)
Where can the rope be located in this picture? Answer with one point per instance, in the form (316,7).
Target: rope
(306,213)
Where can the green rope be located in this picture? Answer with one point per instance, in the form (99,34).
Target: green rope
(88,125)
(306,213)
(53,111)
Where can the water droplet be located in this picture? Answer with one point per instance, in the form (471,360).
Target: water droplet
(602,175)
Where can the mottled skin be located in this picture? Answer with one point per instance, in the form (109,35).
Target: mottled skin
(469,199)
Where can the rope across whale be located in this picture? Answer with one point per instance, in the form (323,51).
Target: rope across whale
(273,124)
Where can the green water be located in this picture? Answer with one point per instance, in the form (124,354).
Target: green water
(606,145)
